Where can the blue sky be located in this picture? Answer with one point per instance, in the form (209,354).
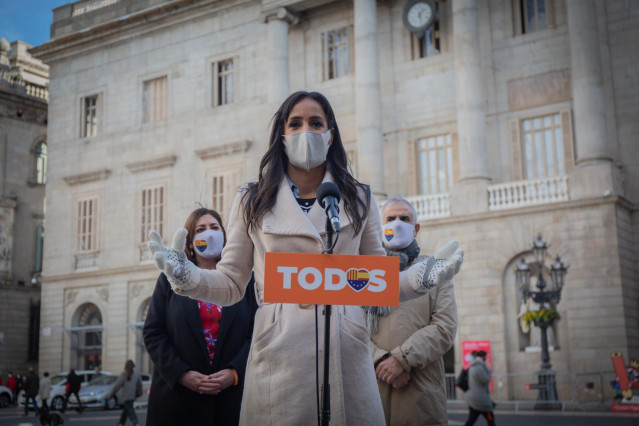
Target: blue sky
(27,20)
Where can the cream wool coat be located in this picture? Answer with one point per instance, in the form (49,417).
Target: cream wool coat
(280,375)
(417,334)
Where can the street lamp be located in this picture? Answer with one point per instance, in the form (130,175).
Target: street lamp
(542,296)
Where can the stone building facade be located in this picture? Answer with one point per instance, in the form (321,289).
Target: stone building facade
(499,122)
(23,158)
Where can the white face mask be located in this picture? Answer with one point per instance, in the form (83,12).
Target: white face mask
(209,243)
(307,149)
(398,234)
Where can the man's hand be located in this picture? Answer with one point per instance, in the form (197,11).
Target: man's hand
(181,273)
(389,369)
(401,380)
(191,379)
(437,269)
(217,382)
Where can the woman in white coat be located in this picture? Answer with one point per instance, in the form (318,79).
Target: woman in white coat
(278,213)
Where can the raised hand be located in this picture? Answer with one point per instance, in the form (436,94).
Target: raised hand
(181,273)
(437,269)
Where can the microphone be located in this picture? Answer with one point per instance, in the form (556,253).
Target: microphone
(328,197)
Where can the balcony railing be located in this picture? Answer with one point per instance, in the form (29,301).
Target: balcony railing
(511,195)
(31,89)
(431,206)
(85,261)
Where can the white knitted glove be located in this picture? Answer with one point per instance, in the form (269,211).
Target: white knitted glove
(437,269)
(180,271)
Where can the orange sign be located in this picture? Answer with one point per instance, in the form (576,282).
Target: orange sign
(331,279)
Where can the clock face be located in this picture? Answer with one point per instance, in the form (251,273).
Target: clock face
(419,14)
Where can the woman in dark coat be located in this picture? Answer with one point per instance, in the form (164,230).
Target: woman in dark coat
(199,369)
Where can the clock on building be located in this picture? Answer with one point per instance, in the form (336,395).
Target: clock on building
(419,15)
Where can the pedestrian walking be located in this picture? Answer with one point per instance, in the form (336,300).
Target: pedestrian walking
(31,387)
(131,384)
(478,395)
(74,382)
(45,390)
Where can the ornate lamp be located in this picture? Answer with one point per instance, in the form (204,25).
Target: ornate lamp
(539,250)
(523,273)
(557,273)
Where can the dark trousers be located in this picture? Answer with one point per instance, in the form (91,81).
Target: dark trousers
(128,411)
(66,401)
(33,401)
(473,415)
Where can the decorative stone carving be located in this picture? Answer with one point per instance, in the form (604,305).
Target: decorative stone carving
(103,293)
(224,150)
(87,177)
(71,296)
(152,163)
(282,14)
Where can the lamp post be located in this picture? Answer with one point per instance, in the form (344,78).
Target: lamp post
(542,296)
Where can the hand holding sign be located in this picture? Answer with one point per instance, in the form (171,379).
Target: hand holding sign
(437,269)
(181,273)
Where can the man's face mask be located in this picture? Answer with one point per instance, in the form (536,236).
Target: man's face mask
(398,234)
(307,149)
(209,243)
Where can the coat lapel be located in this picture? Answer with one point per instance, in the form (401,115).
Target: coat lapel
(287,218)
(228,313)
(195,322)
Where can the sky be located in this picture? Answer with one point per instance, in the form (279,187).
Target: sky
(27,20)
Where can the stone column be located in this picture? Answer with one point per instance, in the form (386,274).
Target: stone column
(595,172)
(277,28)
(368,116)
(470,194)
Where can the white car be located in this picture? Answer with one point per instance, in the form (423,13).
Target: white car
(94,394)
(6,397)
(58,389)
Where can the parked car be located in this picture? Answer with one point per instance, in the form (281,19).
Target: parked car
(58,388)
(94,394)
(6,397)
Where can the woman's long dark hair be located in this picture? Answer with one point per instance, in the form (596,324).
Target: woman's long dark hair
(260,196)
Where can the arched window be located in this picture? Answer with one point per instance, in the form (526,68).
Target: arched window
(87,337)
(40,159)
(143,360)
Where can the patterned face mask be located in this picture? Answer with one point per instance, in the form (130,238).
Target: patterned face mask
(398,234)
(209,243)
(307,150)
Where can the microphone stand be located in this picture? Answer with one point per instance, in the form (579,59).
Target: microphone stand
(325,413)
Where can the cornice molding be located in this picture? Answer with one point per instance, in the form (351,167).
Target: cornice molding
(152,163)
(224,150)
(87,177)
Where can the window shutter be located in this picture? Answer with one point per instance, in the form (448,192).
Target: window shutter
(412,168)
(568,140)
(515,144)
(454,141)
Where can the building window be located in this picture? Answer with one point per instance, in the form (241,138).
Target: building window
(87,225)
(336,54)
(435,159)
(152,212)
(543,149)
(224,188)
(429,43)
(223,82)
(40,160)
(38,247)
(86,337)
(155,100)
(532,15)
(90,107)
